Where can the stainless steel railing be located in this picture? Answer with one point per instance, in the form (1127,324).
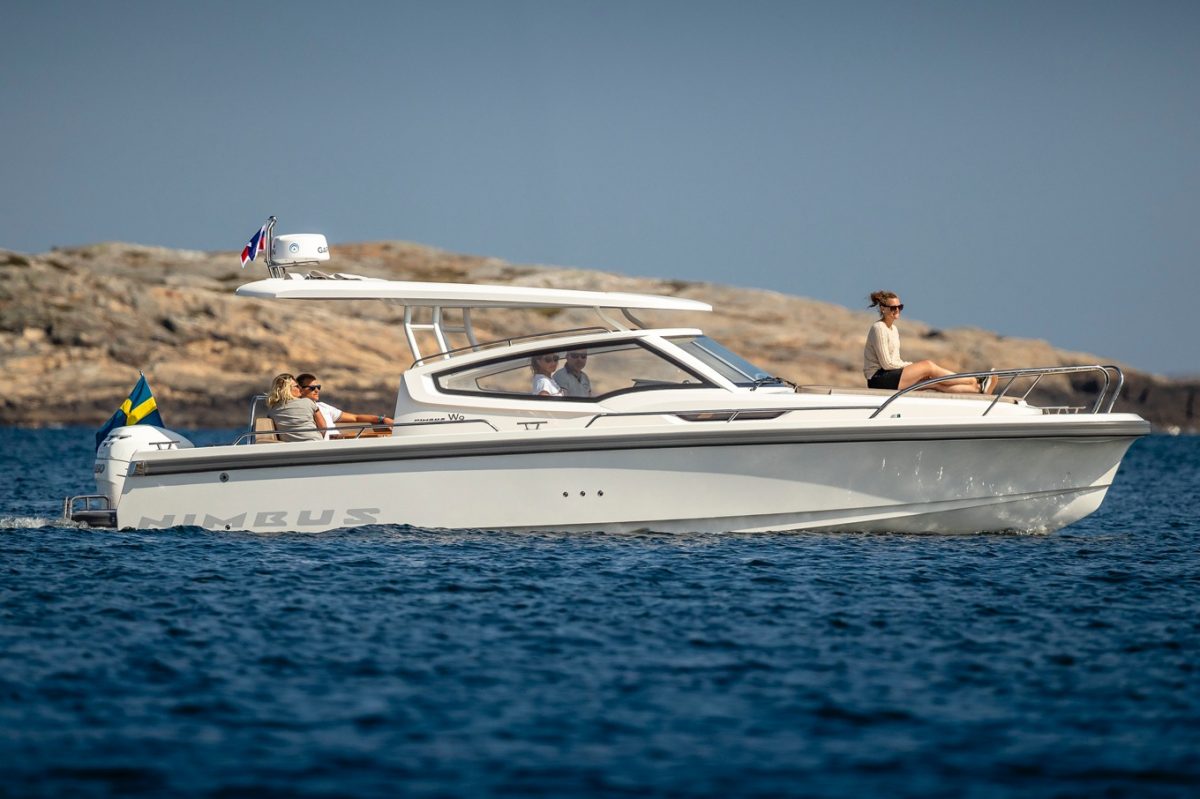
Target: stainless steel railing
(1112,376)
(253,435)
(94,510)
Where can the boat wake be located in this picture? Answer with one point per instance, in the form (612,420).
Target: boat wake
(34,522)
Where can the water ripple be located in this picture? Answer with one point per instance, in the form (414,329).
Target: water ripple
(388,661)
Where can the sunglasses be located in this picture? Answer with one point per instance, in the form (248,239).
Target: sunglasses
(578,356)
(311,387)
(899,307)
(553,358)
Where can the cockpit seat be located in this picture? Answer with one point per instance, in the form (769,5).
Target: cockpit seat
(265,428)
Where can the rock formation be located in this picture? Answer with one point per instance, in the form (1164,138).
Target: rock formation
(77,324)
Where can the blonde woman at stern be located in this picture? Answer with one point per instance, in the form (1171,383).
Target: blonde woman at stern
(883,367)
(296,418)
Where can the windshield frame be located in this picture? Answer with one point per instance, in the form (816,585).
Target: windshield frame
(724,361)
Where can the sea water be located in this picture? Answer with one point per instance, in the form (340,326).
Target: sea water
(387,661)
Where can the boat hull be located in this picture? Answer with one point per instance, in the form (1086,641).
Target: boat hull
(940,484)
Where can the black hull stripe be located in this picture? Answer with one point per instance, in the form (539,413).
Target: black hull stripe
(265,456)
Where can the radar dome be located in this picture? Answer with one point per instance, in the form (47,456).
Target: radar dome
(299,248)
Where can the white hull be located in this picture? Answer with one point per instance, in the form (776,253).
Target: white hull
(622,428)
(1018,481)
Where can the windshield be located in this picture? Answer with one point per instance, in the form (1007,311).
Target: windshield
(730,365)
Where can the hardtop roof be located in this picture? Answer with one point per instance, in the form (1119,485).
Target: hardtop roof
(458,295)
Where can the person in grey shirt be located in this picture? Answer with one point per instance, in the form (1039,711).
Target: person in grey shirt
(296,418)
(571,378)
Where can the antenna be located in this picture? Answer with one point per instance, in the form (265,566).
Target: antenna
(272,269)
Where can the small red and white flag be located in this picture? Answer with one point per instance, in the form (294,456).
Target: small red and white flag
(254,246)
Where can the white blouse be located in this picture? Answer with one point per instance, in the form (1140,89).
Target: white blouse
(882,350)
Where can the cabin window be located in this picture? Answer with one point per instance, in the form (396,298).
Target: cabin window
(610,369)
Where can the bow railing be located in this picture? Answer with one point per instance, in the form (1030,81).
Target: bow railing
(1112,381)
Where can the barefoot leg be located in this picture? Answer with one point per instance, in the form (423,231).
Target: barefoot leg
(923,370)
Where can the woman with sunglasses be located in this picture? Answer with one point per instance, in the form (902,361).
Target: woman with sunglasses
(883,366)
(296,418)
(543,370)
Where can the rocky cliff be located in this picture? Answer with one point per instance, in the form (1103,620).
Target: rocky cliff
(77,324)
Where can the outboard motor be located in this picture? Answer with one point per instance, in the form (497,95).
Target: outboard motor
(119,448)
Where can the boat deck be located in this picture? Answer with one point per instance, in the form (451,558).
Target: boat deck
(887,392)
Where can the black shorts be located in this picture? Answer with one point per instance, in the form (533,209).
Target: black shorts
(885,378)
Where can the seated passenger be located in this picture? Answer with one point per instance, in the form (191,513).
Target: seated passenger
(571,378)
(311,388)
(543,369)
(883,367)
(296,418)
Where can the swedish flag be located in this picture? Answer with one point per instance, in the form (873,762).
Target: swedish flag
(140,408)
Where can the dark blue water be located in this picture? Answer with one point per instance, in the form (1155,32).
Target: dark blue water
(400,662)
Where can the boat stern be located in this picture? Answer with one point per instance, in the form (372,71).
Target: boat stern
(111,467)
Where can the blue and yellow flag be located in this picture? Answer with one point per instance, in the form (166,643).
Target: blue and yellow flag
(140,408)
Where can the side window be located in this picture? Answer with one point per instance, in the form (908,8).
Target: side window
(506,377)
(582,373)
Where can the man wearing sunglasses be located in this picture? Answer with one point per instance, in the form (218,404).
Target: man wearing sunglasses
(573,380)
(310,387)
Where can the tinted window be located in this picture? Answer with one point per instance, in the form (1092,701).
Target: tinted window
(607,370)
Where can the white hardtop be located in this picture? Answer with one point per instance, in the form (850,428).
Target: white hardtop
(457,295)
(433,299)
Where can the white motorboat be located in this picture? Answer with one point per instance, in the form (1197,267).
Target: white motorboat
(678,434)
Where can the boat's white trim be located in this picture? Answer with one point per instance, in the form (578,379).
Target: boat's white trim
(461,295)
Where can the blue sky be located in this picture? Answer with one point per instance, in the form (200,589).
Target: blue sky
(1028,168)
